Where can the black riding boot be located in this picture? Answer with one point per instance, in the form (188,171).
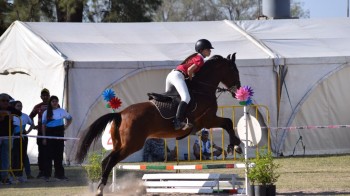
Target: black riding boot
(180,116)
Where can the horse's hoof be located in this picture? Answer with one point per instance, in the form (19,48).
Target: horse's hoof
(100,190)
(238,149)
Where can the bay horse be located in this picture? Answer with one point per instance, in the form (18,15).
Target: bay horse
(131,127)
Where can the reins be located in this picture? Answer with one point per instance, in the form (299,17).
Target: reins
(220,90)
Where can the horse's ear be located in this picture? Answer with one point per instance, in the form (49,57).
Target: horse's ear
(233,57)
(228,57)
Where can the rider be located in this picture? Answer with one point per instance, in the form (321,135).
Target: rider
(186,70)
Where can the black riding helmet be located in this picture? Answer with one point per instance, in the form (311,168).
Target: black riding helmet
(203,44)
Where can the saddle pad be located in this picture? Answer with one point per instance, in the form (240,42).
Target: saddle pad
(166,109)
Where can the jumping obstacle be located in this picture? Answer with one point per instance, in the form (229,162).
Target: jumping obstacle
(188,182)
(180,167)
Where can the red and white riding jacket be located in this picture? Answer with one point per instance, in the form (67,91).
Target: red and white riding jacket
(197,60)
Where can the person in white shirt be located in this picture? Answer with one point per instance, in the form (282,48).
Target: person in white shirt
(23,120)
(206,147)
(53,124)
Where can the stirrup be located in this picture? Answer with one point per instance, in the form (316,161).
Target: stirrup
(182,125)
(187,126)
(178,124)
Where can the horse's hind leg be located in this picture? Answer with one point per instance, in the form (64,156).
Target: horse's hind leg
(110,161)
(106,161)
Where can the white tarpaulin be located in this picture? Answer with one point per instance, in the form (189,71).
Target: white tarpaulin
(298,68)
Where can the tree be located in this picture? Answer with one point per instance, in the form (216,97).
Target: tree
(25,10)
(131,10)
(190,10)
(4,11)
(168,11)
(241,9)
(296,10)
(63,10)
(70,10)
(97,10)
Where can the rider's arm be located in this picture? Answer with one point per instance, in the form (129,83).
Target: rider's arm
(191,70)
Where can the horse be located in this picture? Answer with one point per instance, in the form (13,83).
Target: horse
(131,127)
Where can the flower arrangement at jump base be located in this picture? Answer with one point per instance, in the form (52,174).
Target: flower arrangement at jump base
(244,95)
(112,101)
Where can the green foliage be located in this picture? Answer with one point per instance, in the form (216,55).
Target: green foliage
(297,11)
(4,21)
(264,171)
(131,10)
(209,10)
(93,167)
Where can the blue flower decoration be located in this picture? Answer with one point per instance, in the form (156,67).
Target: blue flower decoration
(108,94)
(249,101)
(246,103)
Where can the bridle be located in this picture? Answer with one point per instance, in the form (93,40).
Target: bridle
(220,90)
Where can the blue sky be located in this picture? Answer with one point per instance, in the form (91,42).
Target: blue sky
(325,8)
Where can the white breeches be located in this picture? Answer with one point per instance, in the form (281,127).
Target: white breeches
(177,79)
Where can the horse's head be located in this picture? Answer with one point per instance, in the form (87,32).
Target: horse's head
(218,69)
(231,80)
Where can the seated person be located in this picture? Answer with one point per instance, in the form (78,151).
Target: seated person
(206,147)
(154,150)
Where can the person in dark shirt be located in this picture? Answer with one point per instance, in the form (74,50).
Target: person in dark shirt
(39,109)
(154,150)
(6,131)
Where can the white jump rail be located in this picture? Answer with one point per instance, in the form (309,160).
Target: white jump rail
(188,182)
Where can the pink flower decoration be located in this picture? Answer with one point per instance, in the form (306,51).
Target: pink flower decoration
(244,93)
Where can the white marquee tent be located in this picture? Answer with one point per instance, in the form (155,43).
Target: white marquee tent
(299,69)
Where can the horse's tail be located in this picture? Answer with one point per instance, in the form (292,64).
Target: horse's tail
(93,132)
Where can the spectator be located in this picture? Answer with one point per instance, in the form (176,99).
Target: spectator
(53,125)
(206,147)
(5,122)
(39,110)
(16,152)
(154,150)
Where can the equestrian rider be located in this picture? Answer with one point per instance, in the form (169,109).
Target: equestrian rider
(186,70)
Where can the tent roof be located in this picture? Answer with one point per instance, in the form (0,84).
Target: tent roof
(173,41)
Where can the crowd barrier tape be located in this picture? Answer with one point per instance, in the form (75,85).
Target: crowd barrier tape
(300,127)
(45,137)
(308,127)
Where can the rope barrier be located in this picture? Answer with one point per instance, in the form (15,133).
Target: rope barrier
(300,127)
(40,136)
(309,127)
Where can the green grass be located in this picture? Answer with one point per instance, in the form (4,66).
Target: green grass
(322,175)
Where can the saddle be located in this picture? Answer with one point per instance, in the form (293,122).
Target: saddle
(168,102)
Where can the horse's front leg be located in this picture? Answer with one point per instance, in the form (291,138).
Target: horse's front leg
(227,124)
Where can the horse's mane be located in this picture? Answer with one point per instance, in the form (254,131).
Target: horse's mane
(209,66)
